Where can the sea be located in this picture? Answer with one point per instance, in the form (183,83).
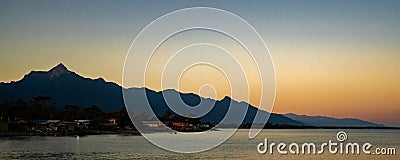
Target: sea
(239,146)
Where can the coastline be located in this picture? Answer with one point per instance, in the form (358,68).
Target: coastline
(137,133)
(56,134)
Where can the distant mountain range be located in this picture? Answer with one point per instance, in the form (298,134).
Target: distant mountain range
(322,121)
(68,88)
(215,115)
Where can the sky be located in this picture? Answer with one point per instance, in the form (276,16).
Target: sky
(332,58)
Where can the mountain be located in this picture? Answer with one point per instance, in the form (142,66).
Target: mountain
(215,115)
(68,88)
(322,121)
(65,88)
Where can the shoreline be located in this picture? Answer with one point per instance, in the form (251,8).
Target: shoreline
(137,133)
(56,134)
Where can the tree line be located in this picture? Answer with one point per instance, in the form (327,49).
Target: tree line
(41,108)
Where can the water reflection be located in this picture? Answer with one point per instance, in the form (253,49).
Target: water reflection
(136,147)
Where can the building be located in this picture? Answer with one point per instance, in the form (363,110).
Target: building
(178,124)
(68,125)
(82,124)
(45,125)
(153,124)
(205,125)
(112,121)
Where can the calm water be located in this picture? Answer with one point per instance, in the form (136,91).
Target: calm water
(237,147)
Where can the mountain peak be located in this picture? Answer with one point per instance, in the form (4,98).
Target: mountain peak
(226,98)
(58,70)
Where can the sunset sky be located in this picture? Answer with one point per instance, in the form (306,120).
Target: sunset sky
(332,58)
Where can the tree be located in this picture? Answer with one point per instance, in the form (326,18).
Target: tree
(40,109)
(92,112)
(167,115)
(71,112)
(123,118)
(179,118)
(193,121)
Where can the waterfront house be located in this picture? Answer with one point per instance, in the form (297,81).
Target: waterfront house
(112,121)
(82,124)
(204,125)
(178,124)
(68,126)
(153,124)
(45,125)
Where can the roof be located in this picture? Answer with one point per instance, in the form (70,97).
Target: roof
(45,121)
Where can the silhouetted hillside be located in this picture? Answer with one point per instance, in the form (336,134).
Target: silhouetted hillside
(65,87)
(323,121)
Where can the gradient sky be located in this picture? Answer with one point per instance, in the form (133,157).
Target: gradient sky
(333,58)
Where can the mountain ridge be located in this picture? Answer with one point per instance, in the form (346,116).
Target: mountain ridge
(325,121)
(66,87)
(69,88)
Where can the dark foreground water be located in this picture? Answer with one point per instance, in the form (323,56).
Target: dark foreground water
(237,147)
